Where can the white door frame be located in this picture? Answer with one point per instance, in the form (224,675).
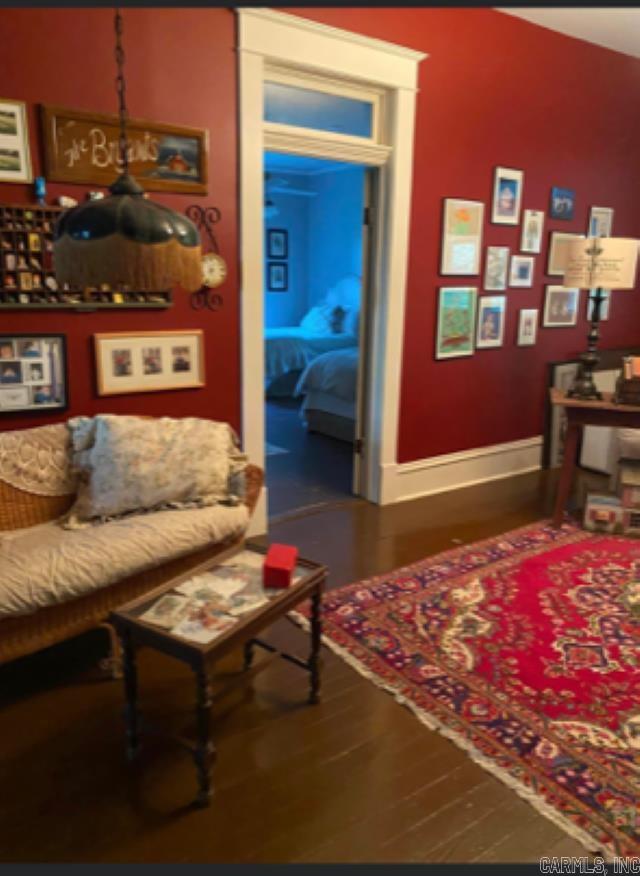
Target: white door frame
(266,38)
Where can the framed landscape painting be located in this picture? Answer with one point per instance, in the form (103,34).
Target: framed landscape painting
(456,321)
(461,237)
(507,196)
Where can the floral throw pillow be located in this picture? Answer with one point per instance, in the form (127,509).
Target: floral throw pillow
(133,464)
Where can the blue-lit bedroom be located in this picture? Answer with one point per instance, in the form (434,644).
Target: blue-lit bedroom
(313,219)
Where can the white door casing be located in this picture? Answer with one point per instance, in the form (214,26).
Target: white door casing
(267,38)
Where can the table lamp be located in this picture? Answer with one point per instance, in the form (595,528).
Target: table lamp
(597,263)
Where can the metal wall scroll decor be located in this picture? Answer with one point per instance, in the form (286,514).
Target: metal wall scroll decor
(214,267)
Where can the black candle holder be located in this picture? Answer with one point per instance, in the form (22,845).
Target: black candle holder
(583,386)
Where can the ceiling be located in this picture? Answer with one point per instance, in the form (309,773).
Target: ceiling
(617,29)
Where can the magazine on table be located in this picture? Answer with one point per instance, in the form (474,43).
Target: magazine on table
(167,611)
(203,622)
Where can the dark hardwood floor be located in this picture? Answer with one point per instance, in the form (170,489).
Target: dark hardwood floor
(356,778)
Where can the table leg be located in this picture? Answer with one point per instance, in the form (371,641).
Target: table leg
(316,630)
(131,693)
(204,754)
(249,649)
(566,472)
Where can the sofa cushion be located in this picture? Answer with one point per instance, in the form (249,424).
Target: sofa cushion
(136,463)
(38,460)
(47,564)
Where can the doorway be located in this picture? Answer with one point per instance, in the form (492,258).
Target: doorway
(316,252)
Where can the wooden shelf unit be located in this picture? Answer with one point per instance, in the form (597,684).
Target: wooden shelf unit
(27,278)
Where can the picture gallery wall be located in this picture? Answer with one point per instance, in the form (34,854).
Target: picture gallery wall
(494,92)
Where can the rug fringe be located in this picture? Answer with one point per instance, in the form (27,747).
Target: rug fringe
(531,797)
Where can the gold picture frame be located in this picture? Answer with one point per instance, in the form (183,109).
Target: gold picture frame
(153,361)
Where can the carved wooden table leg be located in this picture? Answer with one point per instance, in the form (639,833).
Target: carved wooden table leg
(204,754)
(131,693)
(566,472)
(316,630)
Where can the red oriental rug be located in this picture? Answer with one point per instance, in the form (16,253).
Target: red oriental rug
(525,651)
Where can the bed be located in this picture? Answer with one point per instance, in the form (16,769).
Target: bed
(289,350)
(329,386)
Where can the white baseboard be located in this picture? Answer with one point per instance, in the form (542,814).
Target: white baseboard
(451,471)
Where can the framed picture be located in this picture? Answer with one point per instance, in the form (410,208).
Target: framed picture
(491,318)
(521,271)
(507,196)
(15,159)
(557,258)
(277,277)
(560,307)
(461,237)
(532,226)
(604,307)
(129,362)
(562,204)
(82,147)
(456,321)
(561,376)
(496,268)
(527,327)
(277,243)
(600,222)
(33,373)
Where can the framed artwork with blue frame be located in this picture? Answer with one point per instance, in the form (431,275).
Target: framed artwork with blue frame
(277,277)
(277,243)
(562,204)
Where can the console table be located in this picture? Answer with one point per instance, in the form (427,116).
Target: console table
(586,413)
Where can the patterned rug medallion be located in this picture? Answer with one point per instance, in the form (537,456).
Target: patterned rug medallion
(525,651)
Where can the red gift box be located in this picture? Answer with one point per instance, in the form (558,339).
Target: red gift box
(278,566)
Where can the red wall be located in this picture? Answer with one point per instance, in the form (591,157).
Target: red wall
(180,67)
(495,90)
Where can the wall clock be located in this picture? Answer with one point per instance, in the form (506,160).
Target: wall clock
(214,270)
(214,267)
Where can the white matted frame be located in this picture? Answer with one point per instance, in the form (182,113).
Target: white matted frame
(268,43)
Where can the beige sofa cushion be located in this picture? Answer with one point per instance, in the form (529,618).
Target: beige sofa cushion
(46,564)
(129,464)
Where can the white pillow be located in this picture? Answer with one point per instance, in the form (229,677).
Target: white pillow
(317,320)
(352,322)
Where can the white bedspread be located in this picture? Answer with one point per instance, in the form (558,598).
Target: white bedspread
(47,564)
(334,373)
(292,348)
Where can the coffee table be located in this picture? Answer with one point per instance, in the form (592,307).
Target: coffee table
(136,633)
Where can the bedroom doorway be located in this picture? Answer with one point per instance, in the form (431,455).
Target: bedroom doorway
(316,255)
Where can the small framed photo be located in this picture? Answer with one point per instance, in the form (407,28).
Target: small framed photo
(15,160)
(600,222)
(33,373)
(527,327)
(277,277)
(604,306)
(496,268)
(521,272)
(462,223)
(491,319)
(557,257)
(562,203)
(532,227)
(560,307)
(128,362)
(507,196)
(277,243)
(456,321)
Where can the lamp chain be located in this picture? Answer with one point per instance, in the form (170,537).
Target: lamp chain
(121,88)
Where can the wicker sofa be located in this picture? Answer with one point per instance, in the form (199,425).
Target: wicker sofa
(49,625)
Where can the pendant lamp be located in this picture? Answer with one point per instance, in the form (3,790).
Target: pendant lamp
(126,240)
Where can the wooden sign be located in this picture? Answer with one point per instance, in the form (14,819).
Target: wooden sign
(83,147)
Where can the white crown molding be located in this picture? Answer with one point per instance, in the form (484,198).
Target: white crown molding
(452,471)
(332,32)
(318,147)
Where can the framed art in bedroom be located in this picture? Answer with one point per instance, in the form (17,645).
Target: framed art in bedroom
(33,373)
(128,362)
(277,243)
(277,277)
